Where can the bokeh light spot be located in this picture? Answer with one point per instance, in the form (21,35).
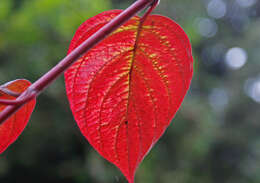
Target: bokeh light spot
(252,88)
(236,58)
(207,27)
(217,9)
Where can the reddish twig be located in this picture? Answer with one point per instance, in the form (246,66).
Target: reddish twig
(149,11)
(26,99)
(9,92)
(37,87)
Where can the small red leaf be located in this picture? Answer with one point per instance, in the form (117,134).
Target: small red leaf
(125,91)
(13,127)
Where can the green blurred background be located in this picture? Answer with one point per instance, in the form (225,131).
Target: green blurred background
(215,136)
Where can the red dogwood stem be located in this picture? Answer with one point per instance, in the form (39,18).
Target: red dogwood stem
(37,87)
(23,100)
(9,92)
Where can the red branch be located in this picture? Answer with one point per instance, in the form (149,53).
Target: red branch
(24,100)
(9,92)
(38,86)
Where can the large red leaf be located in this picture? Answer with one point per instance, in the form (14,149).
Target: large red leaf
(13,127)
(126,90)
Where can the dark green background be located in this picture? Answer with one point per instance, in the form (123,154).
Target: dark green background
(215,136)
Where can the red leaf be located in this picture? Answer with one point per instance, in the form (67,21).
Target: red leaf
(126,90)
(13,127)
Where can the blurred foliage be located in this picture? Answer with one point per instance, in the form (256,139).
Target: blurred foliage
(214,136)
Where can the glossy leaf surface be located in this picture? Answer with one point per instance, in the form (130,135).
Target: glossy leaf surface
(126,90)
(13,127)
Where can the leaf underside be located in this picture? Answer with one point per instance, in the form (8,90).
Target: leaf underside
(13,127)
(125,91)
